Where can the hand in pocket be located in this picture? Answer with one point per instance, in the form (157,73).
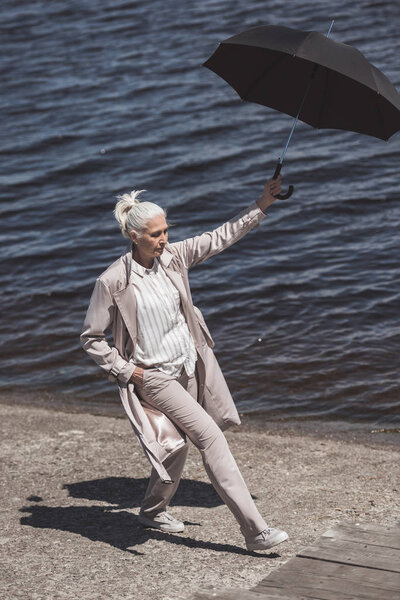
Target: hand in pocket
(137,376)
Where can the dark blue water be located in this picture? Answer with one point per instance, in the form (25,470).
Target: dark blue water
(99,98)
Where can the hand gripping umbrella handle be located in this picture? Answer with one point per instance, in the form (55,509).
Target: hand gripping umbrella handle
(275,176)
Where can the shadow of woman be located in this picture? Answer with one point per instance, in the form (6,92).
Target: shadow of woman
(121,529)
(114,524)
(126,492)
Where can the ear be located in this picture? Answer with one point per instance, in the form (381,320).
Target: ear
(133,237)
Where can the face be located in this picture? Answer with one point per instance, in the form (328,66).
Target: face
(152,241)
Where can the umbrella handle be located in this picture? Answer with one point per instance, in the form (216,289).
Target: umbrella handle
(275,176)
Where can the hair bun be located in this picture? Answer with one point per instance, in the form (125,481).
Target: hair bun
(132,215)
(130,199)
(123,206)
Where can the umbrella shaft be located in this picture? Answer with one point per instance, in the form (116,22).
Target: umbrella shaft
(302,102)
(298,114)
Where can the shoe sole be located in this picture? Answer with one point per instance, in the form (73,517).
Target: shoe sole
(266,546)
(161,526)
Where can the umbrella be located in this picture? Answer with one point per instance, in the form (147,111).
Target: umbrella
(324,83)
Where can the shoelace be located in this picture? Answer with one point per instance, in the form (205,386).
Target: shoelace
(264,534)
(167,516)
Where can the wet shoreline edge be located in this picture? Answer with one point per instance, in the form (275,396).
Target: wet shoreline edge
(364,433)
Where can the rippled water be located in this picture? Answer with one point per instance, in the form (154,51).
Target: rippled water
(99,98)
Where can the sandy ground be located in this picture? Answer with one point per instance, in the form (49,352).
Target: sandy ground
(72,484)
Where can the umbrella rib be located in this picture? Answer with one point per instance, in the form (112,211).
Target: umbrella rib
(264,72)
(378,104)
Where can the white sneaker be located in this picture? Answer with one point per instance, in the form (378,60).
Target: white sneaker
(267,539)
(163,521)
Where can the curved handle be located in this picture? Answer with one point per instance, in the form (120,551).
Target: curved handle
(275,176)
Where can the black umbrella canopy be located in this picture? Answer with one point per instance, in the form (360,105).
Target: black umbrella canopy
(273,66)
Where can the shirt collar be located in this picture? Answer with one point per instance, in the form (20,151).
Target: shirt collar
(142,271)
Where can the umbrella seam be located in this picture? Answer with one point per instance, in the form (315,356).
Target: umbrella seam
(375,81)
(378,104)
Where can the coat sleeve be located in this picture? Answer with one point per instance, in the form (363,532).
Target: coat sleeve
(98,319)
(197,249)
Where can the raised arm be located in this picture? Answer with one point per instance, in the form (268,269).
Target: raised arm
(197,249)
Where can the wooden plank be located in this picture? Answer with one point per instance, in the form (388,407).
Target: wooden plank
(303,567)
(351,553)
(388,537)
(279,595)
(317,593)
(350,561)
(320,579)
(241,594)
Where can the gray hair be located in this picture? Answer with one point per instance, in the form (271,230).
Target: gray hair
(133,215)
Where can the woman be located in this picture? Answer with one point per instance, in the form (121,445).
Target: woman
(169,380)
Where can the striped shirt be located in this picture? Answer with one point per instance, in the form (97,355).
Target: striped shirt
(163,340)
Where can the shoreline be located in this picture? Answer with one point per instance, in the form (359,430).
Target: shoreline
(320,428)
(72,485)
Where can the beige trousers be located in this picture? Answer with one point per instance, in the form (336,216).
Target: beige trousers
(177,398)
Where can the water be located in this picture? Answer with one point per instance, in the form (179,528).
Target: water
(99,98)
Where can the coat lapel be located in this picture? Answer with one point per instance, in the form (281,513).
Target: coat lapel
(177,280)
(176,277)
(126,300)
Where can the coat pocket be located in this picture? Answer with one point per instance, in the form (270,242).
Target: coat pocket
(204,328)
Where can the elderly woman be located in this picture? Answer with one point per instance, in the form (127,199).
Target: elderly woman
(169,380)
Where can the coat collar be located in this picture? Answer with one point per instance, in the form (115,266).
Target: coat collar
(141,271)
(127,258)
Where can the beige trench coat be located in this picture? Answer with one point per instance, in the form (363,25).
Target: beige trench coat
(113,306)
